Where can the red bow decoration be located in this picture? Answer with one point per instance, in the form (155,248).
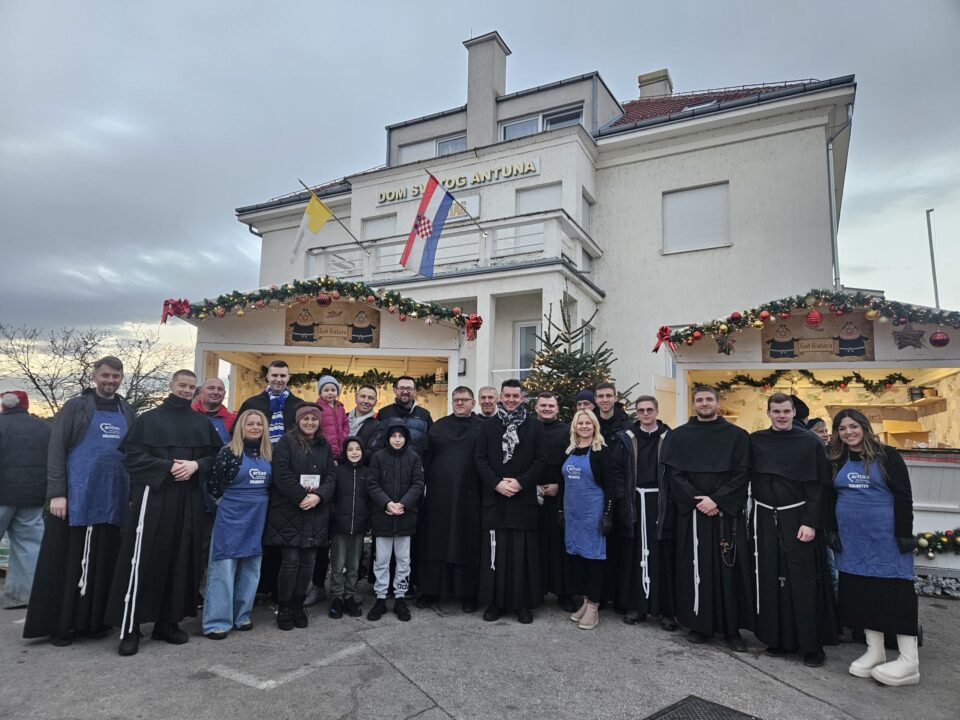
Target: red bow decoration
(663,336)
(474,322)
(177,308)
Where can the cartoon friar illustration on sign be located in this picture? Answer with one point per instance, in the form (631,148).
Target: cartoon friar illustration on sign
(851,342)
(303,328)
(361,331)
(783,344)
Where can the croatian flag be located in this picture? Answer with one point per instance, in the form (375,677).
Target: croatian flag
(421,248)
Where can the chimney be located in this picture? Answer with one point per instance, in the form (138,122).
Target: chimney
(486,81)
(655,83)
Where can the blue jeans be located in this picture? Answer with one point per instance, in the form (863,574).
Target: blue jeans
(24,529)
(231,587)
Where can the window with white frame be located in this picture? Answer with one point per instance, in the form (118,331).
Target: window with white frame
(449,146)
(520,128)
(379,227)
(696,218)
(587,341)
(539,198)
(562,118)
(416,151)
(528,237)
(512,129)
(527,345)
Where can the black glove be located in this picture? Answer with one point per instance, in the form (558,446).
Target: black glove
(833,541)
(606,522)
(560,523)
(907,544)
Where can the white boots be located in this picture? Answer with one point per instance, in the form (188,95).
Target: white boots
(875,655)
(579,613)
(590,617)
(905,670)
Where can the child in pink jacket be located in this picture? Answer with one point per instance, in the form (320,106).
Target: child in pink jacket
(333,421)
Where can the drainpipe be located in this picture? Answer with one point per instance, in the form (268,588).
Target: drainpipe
(832,189)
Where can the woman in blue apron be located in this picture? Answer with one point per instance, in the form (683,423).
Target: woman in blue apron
(873,545)
(240,478)
(587,512)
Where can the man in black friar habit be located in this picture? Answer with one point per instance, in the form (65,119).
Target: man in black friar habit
(794,595)
(511,452)
(707,471)
(166,451)
(648,546)
(554,562)
(449,529)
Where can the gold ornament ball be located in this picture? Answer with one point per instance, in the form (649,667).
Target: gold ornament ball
(758,324)
(723,328)
(240,313)
(871,314)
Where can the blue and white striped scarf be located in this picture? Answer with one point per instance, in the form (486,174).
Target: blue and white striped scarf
(276,413)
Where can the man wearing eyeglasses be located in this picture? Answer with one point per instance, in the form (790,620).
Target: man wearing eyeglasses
(647,549)
(449,524)
(417,419)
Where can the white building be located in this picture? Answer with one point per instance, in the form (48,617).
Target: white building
(656,210)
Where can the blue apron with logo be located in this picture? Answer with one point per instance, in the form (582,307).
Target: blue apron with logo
(865,520)
(98,486)
(242,512)
(582,509)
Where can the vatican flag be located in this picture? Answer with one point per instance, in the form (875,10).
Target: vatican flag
(314,219)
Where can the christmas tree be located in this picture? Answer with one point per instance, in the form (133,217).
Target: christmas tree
(564,366)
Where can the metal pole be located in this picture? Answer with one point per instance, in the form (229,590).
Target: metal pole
(933,261)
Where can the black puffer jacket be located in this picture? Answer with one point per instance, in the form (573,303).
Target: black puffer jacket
(351,499)
(395,476)
(287,524)
(23,459)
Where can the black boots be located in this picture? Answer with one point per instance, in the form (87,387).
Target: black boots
(284,617)
(130,642)
(297,611)
(169,632)
(378,609)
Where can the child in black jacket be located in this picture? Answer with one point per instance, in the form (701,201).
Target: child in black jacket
(396,486)
(349,522)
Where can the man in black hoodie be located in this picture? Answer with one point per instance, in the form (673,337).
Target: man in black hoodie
(417,419)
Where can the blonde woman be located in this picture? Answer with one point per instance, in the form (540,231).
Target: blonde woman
(587,512)
(240,480)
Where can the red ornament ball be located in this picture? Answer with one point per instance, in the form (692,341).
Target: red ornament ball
(697,334)
(842,386)
(904,320)
(392,309)
(323,299)
(766,386)
(814,319)
(734,316)
(764,315)
(371,299)
(335,294)
(456,310)
(887,386)
(403,318)
(939,339)
(785,315)
(688,341)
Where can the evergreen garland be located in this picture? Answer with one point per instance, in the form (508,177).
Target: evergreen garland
(353,381)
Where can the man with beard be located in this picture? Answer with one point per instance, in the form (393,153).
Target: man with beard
(364,423)
(554,562)
(417,419)
(511,452)
(88,490)
(487,399)
(707,469)
(646,561)
(449,524)
(789,472)
(166,451)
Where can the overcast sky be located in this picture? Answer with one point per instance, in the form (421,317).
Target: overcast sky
(129,132)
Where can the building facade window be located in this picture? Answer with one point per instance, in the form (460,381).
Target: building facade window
(416,151)
(696,218)
(562,118)
(450,146)
(586,213)
(379,227)
(520,128)
(513,129)
(527,345)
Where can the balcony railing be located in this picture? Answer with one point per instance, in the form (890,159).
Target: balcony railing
(544,235)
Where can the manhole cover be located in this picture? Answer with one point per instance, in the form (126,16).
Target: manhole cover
(694,708)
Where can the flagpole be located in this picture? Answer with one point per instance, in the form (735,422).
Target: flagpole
(462,206)
(334,215)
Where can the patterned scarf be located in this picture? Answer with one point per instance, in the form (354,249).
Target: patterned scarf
(511,422)
(276,413)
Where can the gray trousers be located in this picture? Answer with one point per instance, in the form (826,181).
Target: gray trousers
(345,551)
(24,529)
(387,547)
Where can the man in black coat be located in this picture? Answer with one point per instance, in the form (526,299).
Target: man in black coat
(511,454)
(448,554)
(417,419)
(23,485)
(364,423)
(277,402)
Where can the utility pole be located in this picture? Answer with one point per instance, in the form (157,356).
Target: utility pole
(933,261)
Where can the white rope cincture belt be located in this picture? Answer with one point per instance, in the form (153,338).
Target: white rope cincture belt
(130,599)
(645,547)
(756,544)
(493,550)
(85,561)
(696,566)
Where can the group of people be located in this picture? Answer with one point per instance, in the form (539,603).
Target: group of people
(703,526)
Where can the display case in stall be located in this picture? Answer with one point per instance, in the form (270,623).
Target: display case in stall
(935,480)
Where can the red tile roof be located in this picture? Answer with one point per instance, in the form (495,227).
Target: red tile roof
(664,105)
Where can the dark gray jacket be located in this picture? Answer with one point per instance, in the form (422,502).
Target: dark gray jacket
(23,459)
(395,476)
(69,429)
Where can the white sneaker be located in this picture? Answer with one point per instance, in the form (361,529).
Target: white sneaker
(905,670)
(875,655)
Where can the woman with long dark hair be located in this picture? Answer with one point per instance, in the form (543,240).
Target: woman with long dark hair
(873,544)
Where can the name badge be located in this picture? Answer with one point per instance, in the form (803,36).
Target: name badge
(309,482)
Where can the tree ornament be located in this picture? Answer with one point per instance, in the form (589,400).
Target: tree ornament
(931,555)
(734,316)
(323,299)
(240,313)
(303,299)
(428,321)
(765,387)
(887,386)
(203,316)
(810,301)
(688,341)
(904,319)
(871,314)
(939,339)
(403,317)
(697,334)
(923,543)
(456,310)
(392,309)
(758,324)
(882,320)
(764,315)
(814,319)
(260,304)
(723,328)
(335,294)
(842,386)
(785,315)
(371,299)
(219,311)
